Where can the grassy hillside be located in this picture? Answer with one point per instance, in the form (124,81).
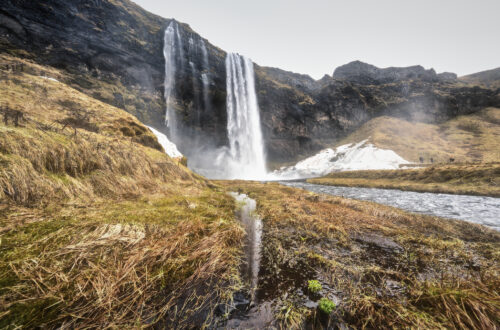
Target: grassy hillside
(469,179)
(98,226)
(382,267)
(488,78)
(471,138)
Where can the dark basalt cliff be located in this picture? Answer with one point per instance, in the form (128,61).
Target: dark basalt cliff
(113,51)
(301,116)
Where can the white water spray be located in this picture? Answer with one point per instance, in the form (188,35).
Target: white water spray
(246,147)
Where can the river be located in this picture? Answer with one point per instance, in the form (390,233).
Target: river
(477,209)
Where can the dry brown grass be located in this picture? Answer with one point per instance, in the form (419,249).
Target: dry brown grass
(469,179)
(388,268)
(157,260)
(99,227)
(472,138)
(73,146)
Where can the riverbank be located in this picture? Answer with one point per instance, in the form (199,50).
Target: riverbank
(462,179)
(380,266)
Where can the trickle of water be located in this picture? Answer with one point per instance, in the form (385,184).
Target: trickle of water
(253,228)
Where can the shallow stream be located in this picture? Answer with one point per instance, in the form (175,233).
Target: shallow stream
(477,209)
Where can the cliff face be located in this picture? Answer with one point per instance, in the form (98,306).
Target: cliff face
(301,116)
(113,51)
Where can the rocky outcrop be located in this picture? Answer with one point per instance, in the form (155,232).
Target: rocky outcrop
(113,51)
(367,74)
(301,117)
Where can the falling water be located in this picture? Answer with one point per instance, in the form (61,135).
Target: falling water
(172,44)
(205,77)
(246,147)
(244,157)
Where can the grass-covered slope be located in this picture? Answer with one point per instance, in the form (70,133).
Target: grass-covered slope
(98,226)
(384,268)
(468,179)
(467,138)
(489,78)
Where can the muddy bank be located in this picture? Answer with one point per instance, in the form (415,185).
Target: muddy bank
(379,266)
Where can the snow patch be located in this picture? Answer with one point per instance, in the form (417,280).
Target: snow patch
(170,147)
(348,157)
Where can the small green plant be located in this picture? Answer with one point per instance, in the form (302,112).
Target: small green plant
(326,305)
(314,286)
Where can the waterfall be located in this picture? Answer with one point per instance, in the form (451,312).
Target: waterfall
(246,146)
(244,157)
(205,77)
(172,44)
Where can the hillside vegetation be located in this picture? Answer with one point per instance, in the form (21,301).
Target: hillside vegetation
(488,78)
(99,227)
(465,179)
(467,138)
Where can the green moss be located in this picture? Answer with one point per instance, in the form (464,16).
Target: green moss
(326,306)
(314,286)
(32,313)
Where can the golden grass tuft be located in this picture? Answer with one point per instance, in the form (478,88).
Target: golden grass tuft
(154,260)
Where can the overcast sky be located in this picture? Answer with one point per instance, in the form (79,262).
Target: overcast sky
(316,36)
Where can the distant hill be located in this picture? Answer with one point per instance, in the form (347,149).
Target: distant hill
(466,138)
(488,78)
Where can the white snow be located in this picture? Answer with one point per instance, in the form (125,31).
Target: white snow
(170,148)
(348,157)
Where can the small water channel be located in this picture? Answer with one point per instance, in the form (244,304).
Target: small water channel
(256,306)
(253,227)
(249,313)
(476,209)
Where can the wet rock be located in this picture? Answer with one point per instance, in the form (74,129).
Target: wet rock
(240,302)
(393,287)
(379,241)
(311,304)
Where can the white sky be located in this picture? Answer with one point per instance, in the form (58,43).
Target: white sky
(316,36)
